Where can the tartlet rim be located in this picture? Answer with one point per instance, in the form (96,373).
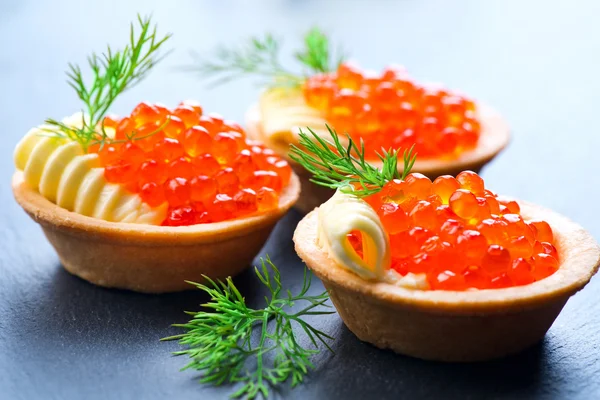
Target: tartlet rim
(43,211)
(495,132)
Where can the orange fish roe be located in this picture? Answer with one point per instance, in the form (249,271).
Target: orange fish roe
(460,234)
(202,165)
(390,110)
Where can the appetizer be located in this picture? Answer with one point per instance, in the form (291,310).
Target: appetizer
(384,110)
(444,270)
(152,199)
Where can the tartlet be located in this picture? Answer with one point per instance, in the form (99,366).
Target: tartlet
(387,109)
(153,199)
(495,136)
(108,229)
(146,258)
(449,325)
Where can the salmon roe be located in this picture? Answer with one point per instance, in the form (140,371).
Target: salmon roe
(390,110)
(461,235)
(203,166)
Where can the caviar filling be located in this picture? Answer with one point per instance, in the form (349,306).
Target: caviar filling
(201,165)
(460,234)
(390,110)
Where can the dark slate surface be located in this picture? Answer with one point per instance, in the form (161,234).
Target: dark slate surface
(535,61)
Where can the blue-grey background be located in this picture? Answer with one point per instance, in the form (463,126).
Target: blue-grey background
(535,61)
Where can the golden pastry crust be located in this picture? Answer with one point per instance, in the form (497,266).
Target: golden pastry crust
(495,136)
(455,326)
(147,258)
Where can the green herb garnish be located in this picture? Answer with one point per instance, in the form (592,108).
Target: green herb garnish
(260,57)
(113,72)
(220,341)
(317,54)
(339,167)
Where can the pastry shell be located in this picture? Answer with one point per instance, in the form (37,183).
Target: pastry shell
(494,138)
(147,258)
(455,326)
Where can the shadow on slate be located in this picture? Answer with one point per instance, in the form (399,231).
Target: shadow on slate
(392,376)
(89,318)
(69,309)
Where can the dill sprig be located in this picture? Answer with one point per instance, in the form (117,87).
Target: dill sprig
(220,341)
(260,57)
(113,72)
(317,54)
(340,167)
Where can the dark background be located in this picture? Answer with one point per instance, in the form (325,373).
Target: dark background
(535,61)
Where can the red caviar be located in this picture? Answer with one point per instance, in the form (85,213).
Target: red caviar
(391,110)
(461,235)
(202,165)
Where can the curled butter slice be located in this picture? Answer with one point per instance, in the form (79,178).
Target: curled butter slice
(55,167)
(62,173)
(25,147)
(342,214)
(73,175)
(284,111)
(36,163)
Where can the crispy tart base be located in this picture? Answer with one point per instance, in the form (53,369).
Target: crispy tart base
(494,138)
(147,258)
(455,326)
